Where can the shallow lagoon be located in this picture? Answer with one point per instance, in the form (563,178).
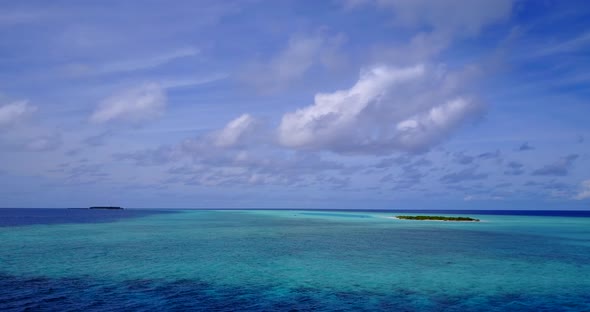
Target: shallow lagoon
(298,260)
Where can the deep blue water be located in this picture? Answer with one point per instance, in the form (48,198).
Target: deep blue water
(276,260)
(30,216)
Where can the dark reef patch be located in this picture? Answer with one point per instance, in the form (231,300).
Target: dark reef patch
(32,216)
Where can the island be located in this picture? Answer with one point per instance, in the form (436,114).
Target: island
(106,207)
(437,218)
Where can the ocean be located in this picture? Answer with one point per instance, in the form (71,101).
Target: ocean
(292,260)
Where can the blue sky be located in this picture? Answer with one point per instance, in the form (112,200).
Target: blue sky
(454,104)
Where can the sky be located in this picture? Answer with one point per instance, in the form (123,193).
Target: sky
(345,104)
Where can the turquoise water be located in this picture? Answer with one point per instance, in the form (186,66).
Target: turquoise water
(298,260)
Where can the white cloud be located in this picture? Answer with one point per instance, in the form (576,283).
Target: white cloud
(15,112)
(130,65)
(235,130)
(585,190)
(149,62)
(46,142)
(453,17)
(335,114)
(16,17)
(296,59)
(482,197)
(436,24)
(137,104)
(581,41)
(189,82)
(427,128)
(27,136)
(388,109)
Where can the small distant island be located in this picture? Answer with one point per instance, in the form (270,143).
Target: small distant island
(106,207)
(437,218)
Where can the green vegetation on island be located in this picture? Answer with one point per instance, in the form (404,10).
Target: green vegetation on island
(437,218)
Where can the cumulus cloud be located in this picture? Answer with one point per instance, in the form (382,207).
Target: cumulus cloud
(335,114)
(420,131)
(220,145)
(14,112)
(389,108)
(137,104)
(584,190)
